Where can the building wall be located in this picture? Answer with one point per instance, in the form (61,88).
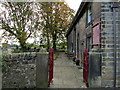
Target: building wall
(107,45)
(118,49)
(78,41)
(103,15)
(94,73)
(83,30)
(74,41)
(70,43)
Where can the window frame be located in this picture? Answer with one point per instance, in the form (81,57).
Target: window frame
(88,16)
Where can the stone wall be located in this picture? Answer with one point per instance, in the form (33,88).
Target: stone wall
(102,15)
(84,30)
(19,70)
(118,47)
(107,45)
(71,43)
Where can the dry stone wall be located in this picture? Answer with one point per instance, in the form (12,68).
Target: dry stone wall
(19,70)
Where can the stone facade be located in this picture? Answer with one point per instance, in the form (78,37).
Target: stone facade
(19,70)
(71,43)
(103,17)
(107,44)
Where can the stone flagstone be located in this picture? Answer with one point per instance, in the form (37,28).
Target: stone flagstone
(66,74)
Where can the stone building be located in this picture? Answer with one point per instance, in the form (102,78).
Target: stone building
(96,28)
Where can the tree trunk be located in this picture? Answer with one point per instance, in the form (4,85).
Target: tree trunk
(48,43)
(54,45)
(23,45)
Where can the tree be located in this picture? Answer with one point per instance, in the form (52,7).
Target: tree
(19,21)
(56,18)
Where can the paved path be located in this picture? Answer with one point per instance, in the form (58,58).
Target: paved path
(66,74)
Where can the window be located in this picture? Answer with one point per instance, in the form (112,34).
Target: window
(89,16)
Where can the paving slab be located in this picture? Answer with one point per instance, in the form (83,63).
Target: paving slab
(66,73)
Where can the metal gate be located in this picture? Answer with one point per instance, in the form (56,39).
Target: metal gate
(51,58)
(85,67)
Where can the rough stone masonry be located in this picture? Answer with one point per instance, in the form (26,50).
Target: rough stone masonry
(107,45)
(19,70)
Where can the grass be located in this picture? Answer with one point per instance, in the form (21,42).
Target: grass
(62,50)
(56,55)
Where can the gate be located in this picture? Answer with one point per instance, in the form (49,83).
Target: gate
(85,67)
(51,58)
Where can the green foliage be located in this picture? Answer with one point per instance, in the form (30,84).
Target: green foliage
(56,54)
(19,21)
(56,19)
(62,44)
(32,45)
(45,46)
(23,20)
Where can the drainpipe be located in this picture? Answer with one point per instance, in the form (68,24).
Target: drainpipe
(114,6)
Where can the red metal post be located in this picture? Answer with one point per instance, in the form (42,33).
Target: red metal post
(51,63)
(85,67)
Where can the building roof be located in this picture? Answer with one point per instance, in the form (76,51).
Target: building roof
(77,16)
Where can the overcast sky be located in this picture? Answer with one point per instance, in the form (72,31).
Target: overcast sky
(73,4)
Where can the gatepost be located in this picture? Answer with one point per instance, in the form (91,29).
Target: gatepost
(42,70)
(94,68)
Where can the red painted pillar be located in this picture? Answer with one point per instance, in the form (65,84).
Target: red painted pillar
(85,67)
(51,65)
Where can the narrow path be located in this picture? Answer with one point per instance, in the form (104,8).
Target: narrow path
(66,74)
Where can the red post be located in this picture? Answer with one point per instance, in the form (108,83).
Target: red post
(85,67)
(51,63)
